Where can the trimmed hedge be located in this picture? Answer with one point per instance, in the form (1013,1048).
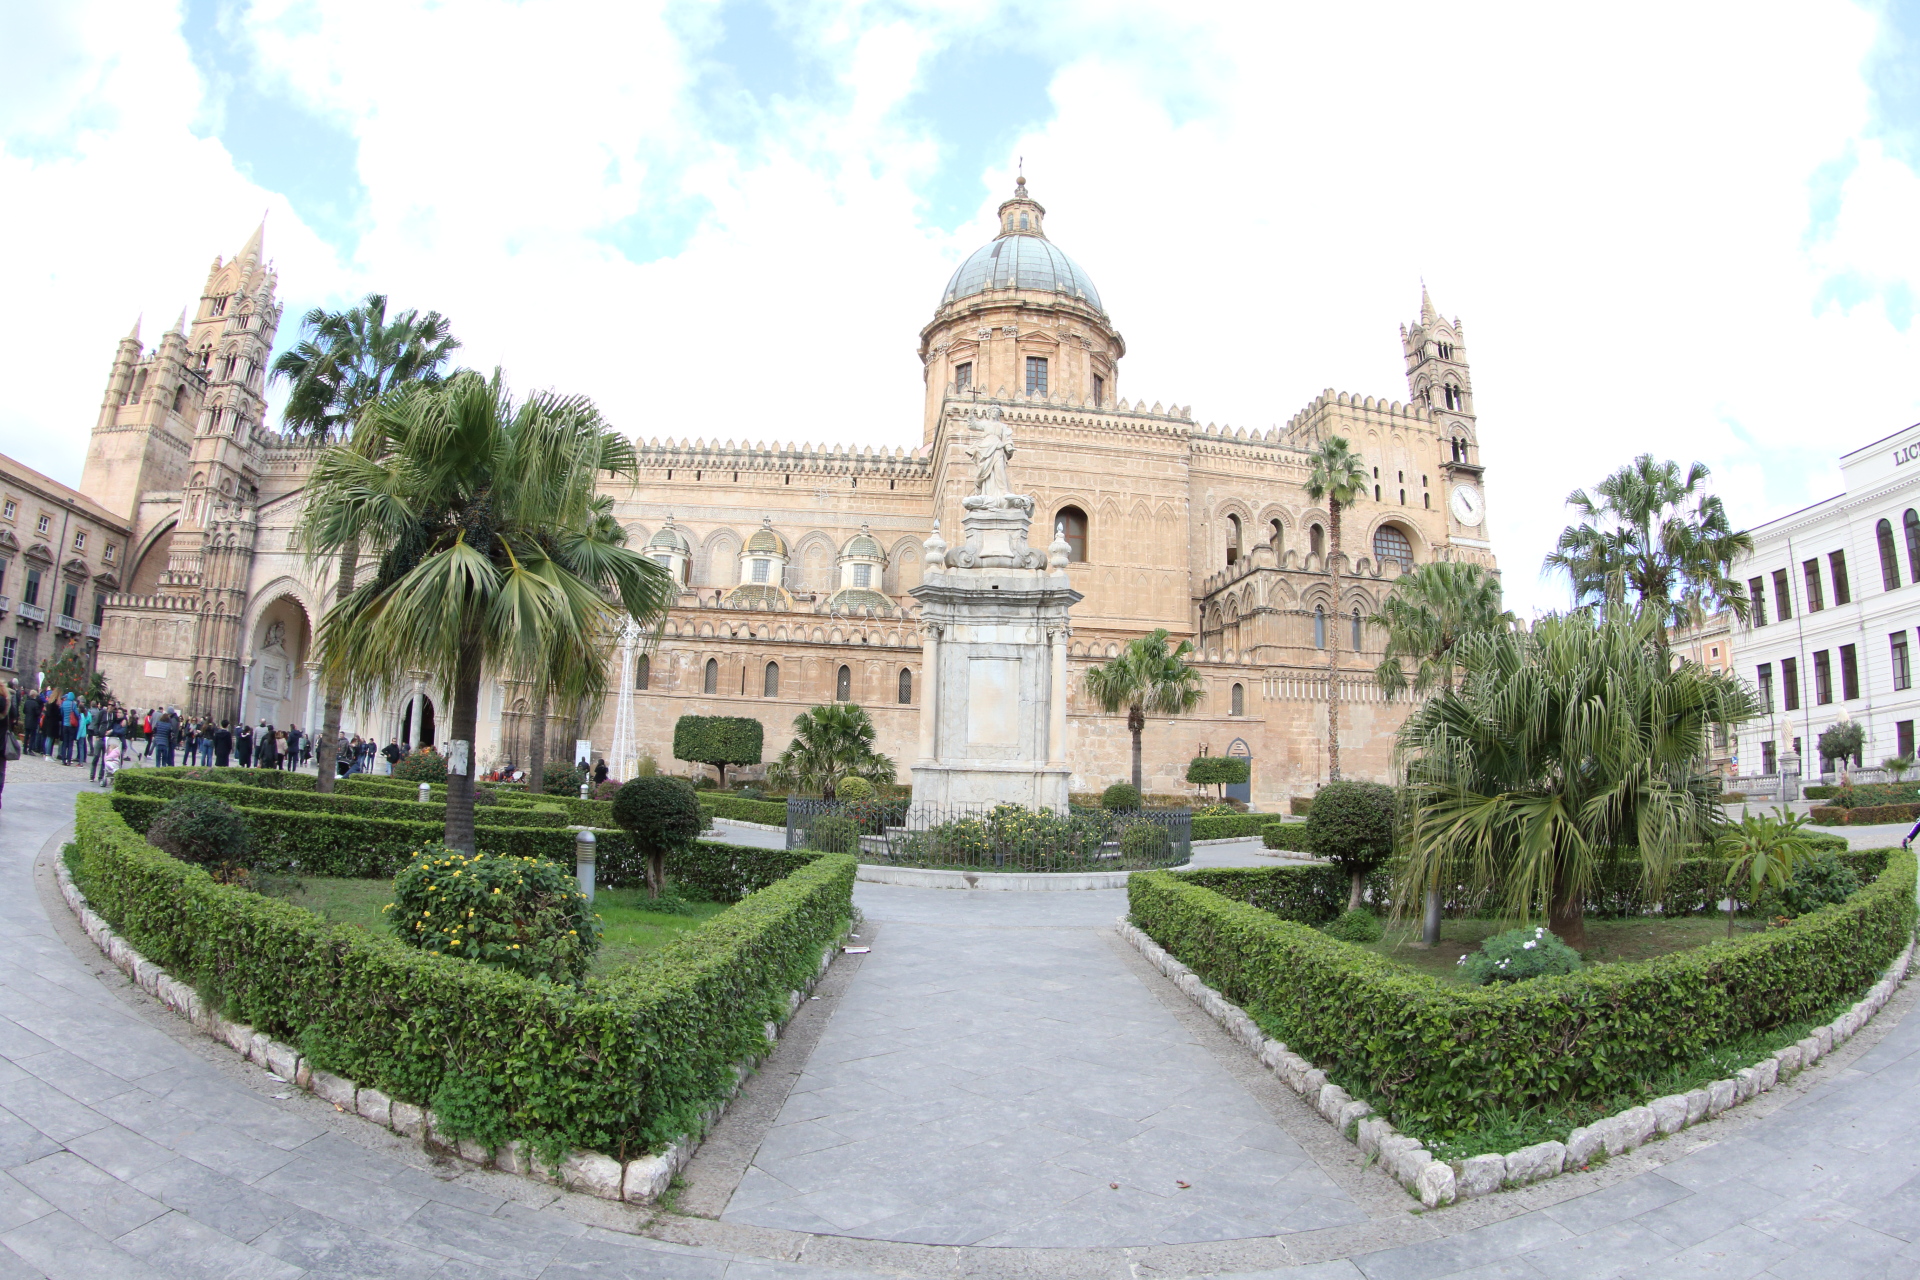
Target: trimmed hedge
(173,782)
(1863,815)
(1291,836)
(1238,824)
(623,1064)
(740,809)
(1423,1051)
(718,740)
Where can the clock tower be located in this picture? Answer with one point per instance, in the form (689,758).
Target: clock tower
(1438,377)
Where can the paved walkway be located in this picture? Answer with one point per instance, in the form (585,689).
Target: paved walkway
(1030,1057)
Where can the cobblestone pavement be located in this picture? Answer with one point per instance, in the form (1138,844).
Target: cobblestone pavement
(130,1147)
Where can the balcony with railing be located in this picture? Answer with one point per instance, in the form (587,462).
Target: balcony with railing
(93,631)
(6,605)
(67,623)
(32,612)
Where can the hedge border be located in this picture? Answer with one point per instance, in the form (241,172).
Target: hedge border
(635,1059)
(172,782)
(1436,1182)
(1381,1025)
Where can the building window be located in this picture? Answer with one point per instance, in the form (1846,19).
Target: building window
(843,685)
(1903,739)
(1822,677)
(906,686)
(1842,589)
(643,672)
(1889,558)
(7,647)
(1276,537)
(80,540)
(1316,540)
(1849,673)
(1233,538)
(1445,349)
(109,553)
(771,689)
(863,575)
(1071,524)
(1782,596)
(1911,523)
(1757,598)
(1720,737)
(70,601)
(1790,684)
(963,376)
(713,675)
(1376,493)
(1391,543)
(33,587)
(1453,396)
(44,523)
(1036,375)
(1902,669)
(1099,391)
(11,509)
(1769,758)
(1816,599)
(1765,673)
(1239,700)
(1319,627)
(760,570)
(1356,631)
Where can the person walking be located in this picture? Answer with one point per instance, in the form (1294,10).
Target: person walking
(98,718)
(49,726)
(393,753)
(165,731)
(243,745)
(222,745)
(26,711)
(9,698)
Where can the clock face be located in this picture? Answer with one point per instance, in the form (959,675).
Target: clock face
(1468,507)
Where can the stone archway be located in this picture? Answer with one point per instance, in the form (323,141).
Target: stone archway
(280,690)
(417,727)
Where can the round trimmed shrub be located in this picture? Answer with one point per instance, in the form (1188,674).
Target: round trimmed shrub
(1358,925)
(525,915)
(1120,797)
(831,833)
(1351,823)
(200,829)
(485,795)
(852,790)
(1517,955)
(424,765)
(558,778)
(663,816)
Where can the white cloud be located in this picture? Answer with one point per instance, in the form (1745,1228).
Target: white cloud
(1617,205)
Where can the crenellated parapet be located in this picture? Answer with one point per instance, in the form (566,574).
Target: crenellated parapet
(789,459)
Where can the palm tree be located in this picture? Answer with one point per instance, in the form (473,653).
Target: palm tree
(1654,535)
(1146,679)
(345,362)
(831,743)
(1429,613)
(1562,747)
(1763,850)
(487,512)
(1338,475)
(561,673)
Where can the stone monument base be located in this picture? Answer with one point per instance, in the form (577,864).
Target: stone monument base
(942,786)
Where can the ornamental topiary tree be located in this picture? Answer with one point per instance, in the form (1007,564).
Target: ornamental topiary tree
(525,915)
(1352,824)
(718,741)
(852,790)
(1218,771)
(199,829)
(424,765)
(1843,742)
(1121,797)
(663,816)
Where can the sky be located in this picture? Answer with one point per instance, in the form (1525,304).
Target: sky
(1679,229)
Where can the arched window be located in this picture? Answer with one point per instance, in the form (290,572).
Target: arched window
(843,685)
(643,672)
(1233,538)
(1912,523)
(180,399)
(1391,543)
(1889,558)
(1239,700)
(773,680)
(713,675)
(1356,631)
(906,686)
(1071,522)
(1317,541)
(1319,627)
(1276,538)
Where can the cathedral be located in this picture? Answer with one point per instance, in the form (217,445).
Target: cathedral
(796,563)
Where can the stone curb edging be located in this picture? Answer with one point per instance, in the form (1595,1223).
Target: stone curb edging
(751,826)
(1437,1182)
(641,1181)
(1005,881)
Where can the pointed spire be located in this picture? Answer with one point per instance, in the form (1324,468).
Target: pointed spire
(180,325)
(134,333)
(256,240)
(1427,314)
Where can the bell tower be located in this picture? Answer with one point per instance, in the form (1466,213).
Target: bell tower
(1438,377)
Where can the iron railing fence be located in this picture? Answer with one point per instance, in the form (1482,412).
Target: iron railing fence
(983,837)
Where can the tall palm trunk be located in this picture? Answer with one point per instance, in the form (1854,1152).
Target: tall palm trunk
(466,716)
(537,742)
(1136,725)
(1333,644)
(327,750)
(1566,916)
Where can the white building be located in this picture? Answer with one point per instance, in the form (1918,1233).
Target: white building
(1836,605)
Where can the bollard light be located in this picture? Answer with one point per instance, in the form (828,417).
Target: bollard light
(583,861)
(426,793)
(583,791)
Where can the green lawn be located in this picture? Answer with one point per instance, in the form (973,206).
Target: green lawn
(628,929)
(1608,941)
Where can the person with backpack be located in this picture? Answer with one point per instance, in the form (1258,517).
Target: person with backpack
(165,730)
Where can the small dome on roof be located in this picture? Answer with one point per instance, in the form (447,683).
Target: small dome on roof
(670,539)
(765,541)
(1021,257)
(850,599)
(862,547)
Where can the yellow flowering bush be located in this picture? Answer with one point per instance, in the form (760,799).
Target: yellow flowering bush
(522,914)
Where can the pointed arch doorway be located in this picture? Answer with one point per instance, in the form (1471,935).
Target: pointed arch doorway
(416,723)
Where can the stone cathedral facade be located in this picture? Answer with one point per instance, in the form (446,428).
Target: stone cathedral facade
(796,562)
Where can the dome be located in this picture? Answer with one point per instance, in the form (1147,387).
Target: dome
(1021,261)
(765,541)
(669,539)
(862,547)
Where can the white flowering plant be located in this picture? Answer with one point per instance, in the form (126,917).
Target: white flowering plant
(1517,955)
